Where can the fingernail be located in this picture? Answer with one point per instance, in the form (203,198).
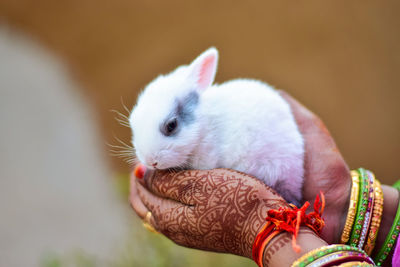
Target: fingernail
(139,171)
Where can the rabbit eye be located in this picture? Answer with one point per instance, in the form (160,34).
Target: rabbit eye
(171,126)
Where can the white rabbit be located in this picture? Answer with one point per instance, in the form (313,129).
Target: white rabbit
(182,120)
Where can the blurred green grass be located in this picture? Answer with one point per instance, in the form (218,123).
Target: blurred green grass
(143,248)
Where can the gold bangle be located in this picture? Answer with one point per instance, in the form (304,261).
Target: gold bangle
(355,264)
(351,214)
(376,218)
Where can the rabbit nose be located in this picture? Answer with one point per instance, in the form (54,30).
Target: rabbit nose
(154,164)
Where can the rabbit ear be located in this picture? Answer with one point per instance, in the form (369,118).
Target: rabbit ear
(204,67)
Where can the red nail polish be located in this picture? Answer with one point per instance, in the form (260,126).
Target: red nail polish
(139,171)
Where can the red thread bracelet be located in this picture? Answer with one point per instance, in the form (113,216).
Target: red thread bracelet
(259,244)
(288,219)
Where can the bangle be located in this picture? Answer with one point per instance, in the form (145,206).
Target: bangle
(391,237)
(336,258)
(288,219)
(368,214)
(397,185)
(264,245)
(351,214)
(355,264)
(258,245)
(266,234)
(376,218)
(361,209)
(328,255)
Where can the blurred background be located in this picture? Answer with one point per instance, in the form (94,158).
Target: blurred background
(64,65)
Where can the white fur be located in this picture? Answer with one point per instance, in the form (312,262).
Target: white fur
(241,124)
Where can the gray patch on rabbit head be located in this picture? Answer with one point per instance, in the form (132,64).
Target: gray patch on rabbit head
(183,113)
(185,108)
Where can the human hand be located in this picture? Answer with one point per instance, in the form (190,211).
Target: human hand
(218,210)
(325,170)
(188,203)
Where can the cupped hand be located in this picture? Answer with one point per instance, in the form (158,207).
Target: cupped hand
(218,210)
(222,210)
(325,169)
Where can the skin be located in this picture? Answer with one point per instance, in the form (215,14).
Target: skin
(325,169)
(223,210)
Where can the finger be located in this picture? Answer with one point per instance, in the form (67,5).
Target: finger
(157,205)
(166,184)
(139,171)
(141,210)
(193,187)
(135,201)
(185,186)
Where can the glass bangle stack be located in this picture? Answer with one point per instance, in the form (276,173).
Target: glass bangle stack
(360,230)
(334,255)
(364,216)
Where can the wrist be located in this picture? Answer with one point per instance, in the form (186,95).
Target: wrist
(281,234)
(279,252)
(335,219)
(336,210)
(258,220)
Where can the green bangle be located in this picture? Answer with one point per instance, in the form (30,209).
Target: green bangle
(325,251)
(391,237)
(362,206)
(397,185)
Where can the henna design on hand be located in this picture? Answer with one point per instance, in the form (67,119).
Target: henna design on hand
(219,210)
(279,242)
(223,210)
